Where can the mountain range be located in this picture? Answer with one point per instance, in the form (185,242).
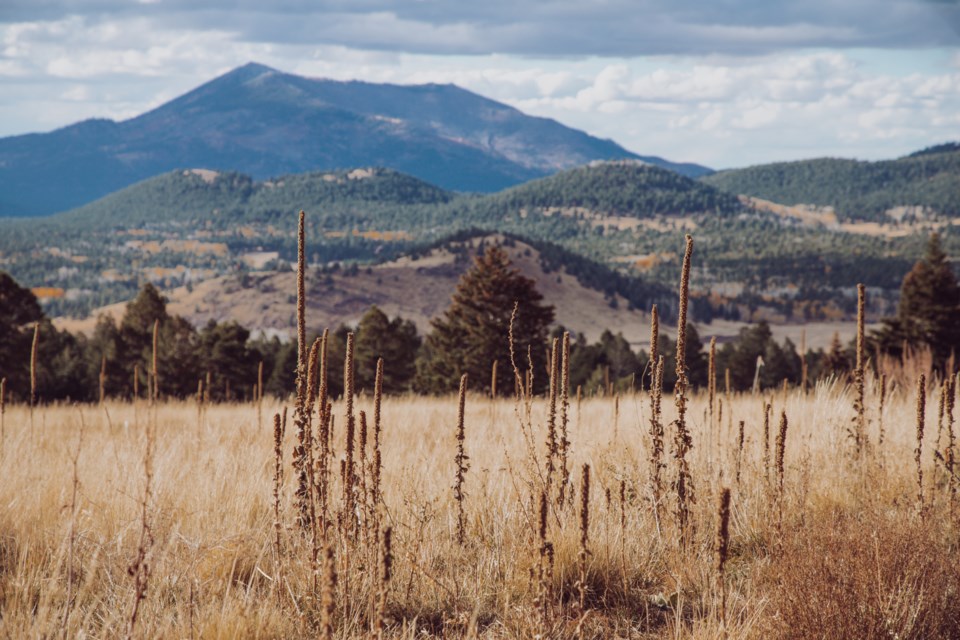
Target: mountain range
(264,123)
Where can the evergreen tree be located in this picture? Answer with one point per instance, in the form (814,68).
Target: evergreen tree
(619,356)
(698,361)
(61,368)
(929,311)
(836,362)
(178,352)
(18,306)
(780,363)
(19,309)
(225,356)
(396,341)
(105,343)
(741,356)
(473,331)
(584,360)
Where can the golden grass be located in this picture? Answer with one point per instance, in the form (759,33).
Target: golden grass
(854,559)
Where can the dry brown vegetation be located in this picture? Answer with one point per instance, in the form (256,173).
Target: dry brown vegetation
(855,558)
(826,513)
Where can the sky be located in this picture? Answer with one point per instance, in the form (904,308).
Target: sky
(725,83)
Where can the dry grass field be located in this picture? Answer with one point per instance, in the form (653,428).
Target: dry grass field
(827,512)
(842,551)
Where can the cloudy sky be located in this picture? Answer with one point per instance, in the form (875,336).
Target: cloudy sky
(720,82)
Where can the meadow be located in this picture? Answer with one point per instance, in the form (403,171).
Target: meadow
(827,510)
(160,520)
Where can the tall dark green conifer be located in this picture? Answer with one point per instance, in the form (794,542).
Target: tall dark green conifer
(396,341)
(473,331)
(929,310)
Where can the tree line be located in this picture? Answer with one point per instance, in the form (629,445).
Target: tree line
(493,301)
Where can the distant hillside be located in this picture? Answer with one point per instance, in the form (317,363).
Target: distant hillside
(947,147)
(417,287)
(618,188)
(616,226)
(211,199)
(385,199)
(924,183)
(262,122)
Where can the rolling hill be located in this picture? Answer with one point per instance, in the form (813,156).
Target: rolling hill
(923,184)
(262,122)
(417,287)
(387,199)
(189,226)
(617,188)
(202,196)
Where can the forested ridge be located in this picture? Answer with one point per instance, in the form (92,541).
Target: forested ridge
(190,225)
(857,190)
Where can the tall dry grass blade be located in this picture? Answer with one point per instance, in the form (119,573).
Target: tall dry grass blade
(941,407)
(258,396)
(781,453)
(654,340)
(362,476)
(616,415)
(721,547)
(199,408)
(33,372)
(859,420)
(277,506)
(383,586)
(103,379)
(564,414)
(712,383)
(728,391)
(324,435)
(740,437)
(657,464)
(545,567)
(518,378)
(301,410)
(328,592)
(767,407)
(950,458)
(155,369)
(72,533)
(141,568)
(803,361)
(683,486)
(350,475)
(584,534)
(921,418)
(377,460)
(461,462)
(553,449)
(313,366)
(882,403)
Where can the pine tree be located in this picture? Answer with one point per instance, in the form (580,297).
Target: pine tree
(225,356)
(836,362)
(929,311)
(396,341)
(178,356)
(473,331)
